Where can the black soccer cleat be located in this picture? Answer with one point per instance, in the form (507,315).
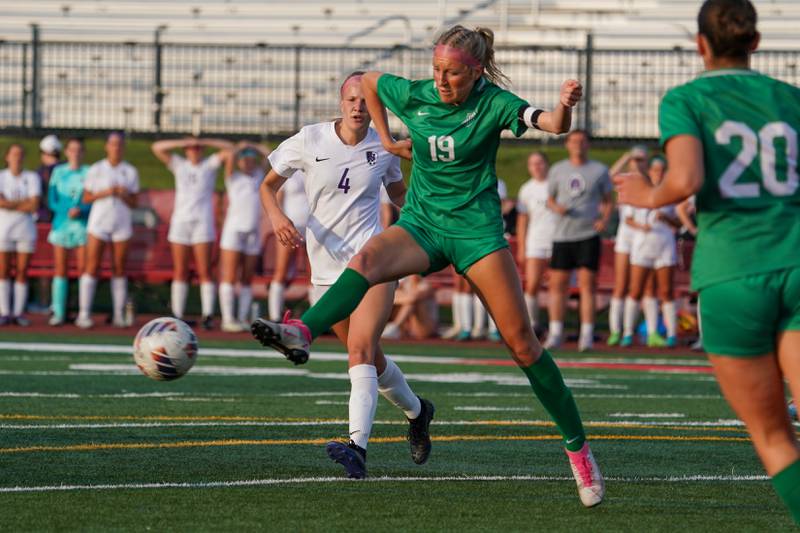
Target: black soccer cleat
(418,432)
(351,456)
(287,338)
(208,323)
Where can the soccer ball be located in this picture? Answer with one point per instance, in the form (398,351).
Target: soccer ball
(165,348)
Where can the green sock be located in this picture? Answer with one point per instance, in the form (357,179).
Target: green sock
(787,485)
(60,288)
(337,304)
(549,386)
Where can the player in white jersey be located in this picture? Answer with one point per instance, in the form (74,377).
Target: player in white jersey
(191,228)
(20,193)
(292,197)
(241,233)
(653,255)
(111,186)
(634,160)
(345,166)
(535,224)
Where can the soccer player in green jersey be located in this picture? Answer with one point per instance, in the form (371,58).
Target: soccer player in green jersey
(731,137)
(452,216)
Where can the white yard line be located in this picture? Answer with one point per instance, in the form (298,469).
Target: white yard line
(490,408)
(386,479)
(647,415)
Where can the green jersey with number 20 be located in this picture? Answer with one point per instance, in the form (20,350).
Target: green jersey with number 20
(453,182)
(748,209)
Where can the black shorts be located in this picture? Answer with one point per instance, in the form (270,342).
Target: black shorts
(576,254)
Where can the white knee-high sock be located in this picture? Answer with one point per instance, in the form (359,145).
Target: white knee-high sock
(86,288)
(20,297)
(478,315)
(670,313)
(393,386)
(178,292)
(650,308)
(5,297)
(226,303)
(533,309)
(275,304)
(630,317)
(615,315)
(207,298)
(555,329)
(492,325)
(363,401)
(119,294)
(245,299)
(455,304)
(587,331)
(465,300)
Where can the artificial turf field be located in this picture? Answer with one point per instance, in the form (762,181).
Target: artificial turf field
(87,443)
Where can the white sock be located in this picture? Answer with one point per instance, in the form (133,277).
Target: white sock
(363,401)
(275,304)
(533,309)
(465,300)
(670,317)
(478,314)
(86,288)
(556,329)
(178,292)
(615,315)
(492,325)
(587,331)
(455,304)
(393,386)
(119,294)
(20,297)
(245,299)
(207,298)
(5,297)
(226,297)
(630,316)
(650,307)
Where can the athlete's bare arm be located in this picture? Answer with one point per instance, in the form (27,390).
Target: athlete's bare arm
(397,193)
(282,226)
(560,118)
(380,121)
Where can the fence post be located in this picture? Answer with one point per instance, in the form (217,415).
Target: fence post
(158,90)
(587,84)
(297,96)
(36,117)
(24,121)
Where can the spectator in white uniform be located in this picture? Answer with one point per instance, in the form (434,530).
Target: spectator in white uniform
(192,230)
(535,224)
(111,186)
(241,242)
(345,166)
(20,192)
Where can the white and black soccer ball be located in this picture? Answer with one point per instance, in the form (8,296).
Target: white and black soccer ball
(165,348)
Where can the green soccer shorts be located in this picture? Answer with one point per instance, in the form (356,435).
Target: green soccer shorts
(443,250)
(743,317)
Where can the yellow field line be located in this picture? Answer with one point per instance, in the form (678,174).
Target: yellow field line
(380,440)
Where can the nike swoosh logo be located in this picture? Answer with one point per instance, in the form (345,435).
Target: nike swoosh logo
(321,159)
(422,113)
(573,439)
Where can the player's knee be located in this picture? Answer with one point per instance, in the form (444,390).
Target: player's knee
(360,353)
(523,345)
(363,262)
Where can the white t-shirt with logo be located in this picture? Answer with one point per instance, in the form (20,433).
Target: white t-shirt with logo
(194,188)
(343,186)
(295,203)
(16,225)
(532,201)
(244,203)
(109,214)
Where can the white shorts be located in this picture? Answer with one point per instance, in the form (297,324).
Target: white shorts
(316,292)
(123,232)
(191,231)
(247,242)
(624,241)
(539,251)
(654,251)
(19,246)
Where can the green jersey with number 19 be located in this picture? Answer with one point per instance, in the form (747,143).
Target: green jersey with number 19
(453,185)
(748,209)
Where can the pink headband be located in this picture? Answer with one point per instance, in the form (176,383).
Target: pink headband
(458,54)
(356,79)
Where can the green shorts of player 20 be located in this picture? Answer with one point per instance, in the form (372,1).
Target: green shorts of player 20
(744,316)
(443,250)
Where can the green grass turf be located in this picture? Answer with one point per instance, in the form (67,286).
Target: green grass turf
(245,408)
(511,159)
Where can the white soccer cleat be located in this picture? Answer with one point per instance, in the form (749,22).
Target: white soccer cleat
(553,342)
(591,487)
(585,343)
(232,327)
(84,322)
(291,337)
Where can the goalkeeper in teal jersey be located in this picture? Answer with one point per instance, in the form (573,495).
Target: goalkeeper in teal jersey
(731,136)
(68,231)
(452,216)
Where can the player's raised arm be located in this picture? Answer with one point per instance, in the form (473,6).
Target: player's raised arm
(560,118)
(380,120)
